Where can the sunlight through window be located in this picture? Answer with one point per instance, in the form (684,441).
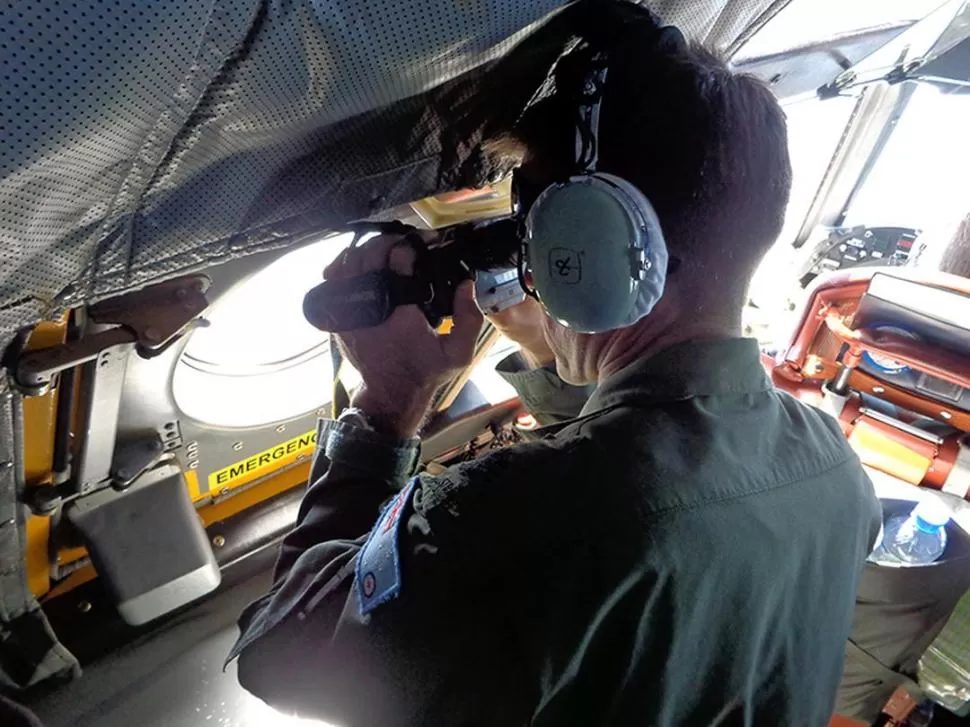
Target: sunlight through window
(259,361)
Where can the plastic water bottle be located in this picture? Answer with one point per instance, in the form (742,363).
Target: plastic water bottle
(918,538)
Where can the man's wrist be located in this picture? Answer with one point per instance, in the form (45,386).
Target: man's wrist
(366,450)
(398,416)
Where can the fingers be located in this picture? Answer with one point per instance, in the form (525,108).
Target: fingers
(401,257)
(459,345)
(526,314)
(383,251)
(333,270)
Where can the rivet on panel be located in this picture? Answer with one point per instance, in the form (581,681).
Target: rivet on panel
(236,446)
(219,541)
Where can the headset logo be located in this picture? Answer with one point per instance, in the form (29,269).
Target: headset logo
(565,265)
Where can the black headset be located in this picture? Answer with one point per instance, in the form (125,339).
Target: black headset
(593,249)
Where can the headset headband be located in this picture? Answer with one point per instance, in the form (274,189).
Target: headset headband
(588,114)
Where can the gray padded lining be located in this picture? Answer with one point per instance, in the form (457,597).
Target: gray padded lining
(144,140)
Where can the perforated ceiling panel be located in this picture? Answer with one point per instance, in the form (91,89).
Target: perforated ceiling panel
(723,25)
(76,102)
(142,140)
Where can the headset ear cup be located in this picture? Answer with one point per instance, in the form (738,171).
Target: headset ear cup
(584,240)
(650,239)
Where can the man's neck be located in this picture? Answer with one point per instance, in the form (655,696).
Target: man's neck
(654,334)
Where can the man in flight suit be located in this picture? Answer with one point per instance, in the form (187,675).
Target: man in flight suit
(956,257)
(685,551)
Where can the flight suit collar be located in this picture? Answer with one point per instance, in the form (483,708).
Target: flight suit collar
(683,371)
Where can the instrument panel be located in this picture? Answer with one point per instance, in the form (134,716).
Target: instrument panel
(848,247)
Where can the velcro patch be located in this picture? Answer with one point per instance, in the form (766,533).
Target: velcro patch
(379,562)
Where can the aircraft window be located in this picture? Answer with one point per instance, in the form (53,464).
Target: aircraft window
(804,22)
(259,361)
(918,181)
(814,129)
(920,178)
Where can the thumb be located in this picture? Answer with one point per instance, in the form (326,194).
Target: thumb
(459,345)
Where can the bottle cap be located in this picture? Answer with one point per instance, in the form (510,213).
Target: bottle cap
(931,514)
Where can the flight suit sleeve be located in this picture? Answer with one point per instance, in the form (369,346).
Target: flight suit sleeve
(365,634)
(544,395)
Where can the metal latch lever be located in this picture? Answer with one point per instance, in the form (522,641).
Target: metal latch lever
(152,319)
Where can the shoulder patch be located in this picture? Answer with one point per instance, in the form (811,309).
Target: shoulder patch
(379,563)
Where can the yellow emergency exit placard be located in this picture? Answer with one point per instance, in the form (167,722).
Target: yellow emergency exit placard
(263,463)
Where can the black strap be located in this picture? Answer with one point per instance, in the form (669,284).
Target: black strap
(340,397)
